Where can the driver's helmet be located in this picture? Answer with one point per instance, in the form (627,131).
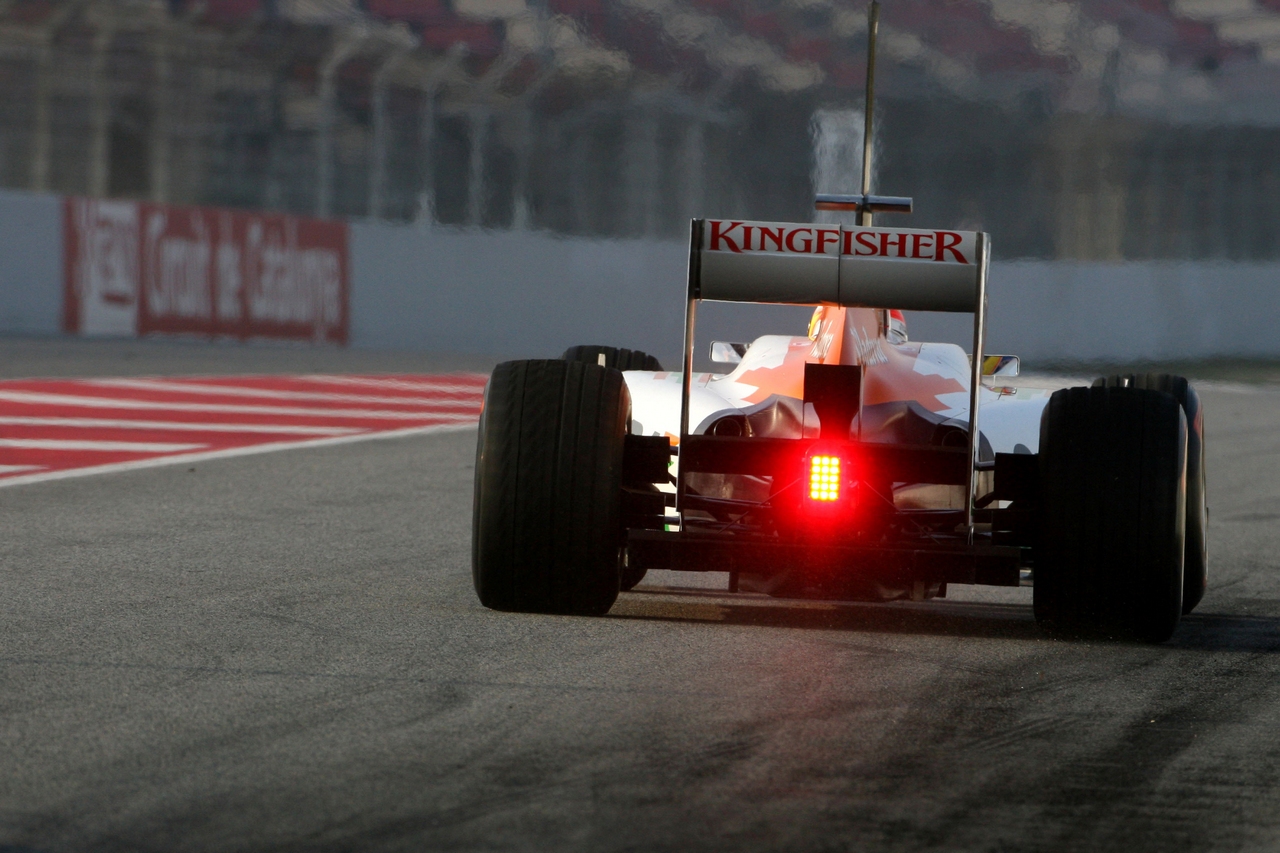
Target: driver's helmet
(897,331)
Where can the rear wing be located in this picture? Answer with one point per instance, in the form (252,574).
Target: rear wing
(860,266)
(867,267)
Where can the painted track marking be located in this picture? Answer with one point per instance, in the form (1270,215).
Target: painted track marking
(102,446)
(201,426)
(105,402)
(57,429)
(201,389)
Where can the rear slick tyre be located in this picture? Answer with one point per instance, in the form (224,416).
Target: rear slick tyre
(619,359)
(547,514)
(615,357)
(631,575)
(1195,571)
(1112,532)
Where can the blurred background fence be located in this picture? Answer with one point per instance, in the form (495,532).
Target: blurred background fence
(1092,130)
(519,174)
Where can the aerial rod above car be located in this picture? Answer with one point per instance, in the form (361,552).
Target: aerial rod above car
(865,203)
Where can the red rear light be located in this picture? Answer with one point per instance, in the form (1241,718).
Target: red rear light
(825,478)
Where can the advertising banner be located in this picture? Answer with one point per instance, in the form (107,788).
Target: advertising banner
(137,268)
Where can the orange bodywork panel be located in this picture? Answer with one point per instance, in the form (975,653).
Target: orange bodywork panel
(840,335)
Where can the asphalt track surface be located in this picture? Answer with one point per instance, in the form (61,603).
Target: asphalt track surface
(283,652)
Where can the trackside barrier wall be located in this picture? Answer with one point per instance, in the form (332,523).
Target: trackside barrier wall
(526,295)
(30,263)
(514,294)
(523,294)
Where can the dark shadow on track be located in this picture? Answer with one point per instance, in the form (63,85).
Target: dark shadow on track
(961,619)
(1207,632)
(1226,632)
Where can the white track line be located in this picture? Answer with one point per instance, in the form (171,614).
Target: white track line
(188,458)
(102,446)
(13,469)
(185,426)
(399,384)
(180,387)
(1237,387)
(39,398)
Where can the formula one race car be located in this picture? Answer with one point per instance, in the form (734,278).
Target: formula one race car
(847,463)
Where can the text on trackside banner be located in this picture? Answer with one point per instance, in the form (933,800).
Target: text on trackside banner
(136,268)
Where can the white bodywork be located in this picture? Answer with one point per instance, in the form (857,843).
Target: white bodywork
(1010,415)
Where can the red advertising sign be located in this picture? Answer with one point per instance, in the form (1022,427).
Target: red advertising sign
(136,268)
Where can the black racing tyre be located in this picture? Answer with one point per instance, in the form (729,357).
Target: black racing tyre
(618,359)
(1196,562)
(631,575)
(1113,501)
(546,531)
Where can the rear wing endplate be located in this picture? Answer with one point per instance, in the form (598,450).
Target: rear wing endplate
(860,266)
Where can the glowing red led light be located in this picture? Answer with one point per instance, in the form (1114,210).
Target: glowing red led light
(824,478)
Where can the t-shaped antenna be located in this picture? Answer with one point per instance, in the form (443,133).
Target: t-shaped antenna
(865,203)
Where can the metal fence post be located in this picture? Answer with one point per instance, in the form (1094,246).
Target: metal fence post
(381,142)
(158,143)
(343,49)
(100,122)
(436,75)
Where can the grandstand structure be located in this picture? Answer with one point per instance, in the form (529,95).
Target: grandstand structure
(1093,129)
